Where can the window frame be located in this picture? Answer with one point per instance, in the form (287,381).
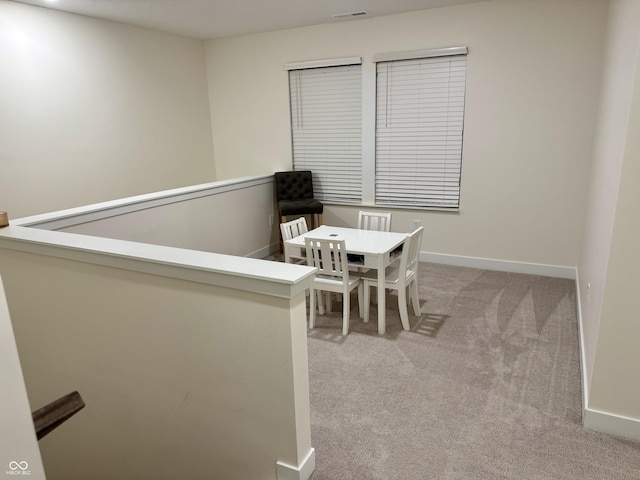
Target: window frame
(423,138)
(368,120)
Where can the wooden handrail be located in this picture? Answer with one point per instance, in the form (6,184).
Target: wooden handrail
(55,413)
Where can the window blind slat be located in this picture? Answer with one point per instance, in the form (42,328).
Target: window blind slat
(326,125)
(419,126)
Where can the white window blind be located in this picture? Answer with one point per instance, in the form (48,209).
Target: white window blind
(326,125)
(419,124)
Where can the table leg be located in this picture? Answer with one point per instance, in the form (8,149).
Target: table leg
(382,326)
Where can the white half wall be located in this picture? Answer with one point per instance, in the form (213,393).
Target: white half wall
(94,110)
(177,375)
(533,80)
(235,218)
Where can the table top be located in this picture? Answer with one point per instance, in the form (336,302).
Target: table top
(357,241)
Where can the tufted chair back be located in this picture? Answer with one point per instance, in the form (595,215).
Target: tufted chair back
(294,185)
(294,196)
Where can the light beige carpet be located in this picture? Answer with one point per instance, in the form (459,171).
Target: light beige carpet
(485,385)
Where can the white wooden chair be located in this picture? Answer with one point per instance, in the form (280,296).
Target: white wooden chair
(330,258)
(379,221)
(291,230)
(401,278)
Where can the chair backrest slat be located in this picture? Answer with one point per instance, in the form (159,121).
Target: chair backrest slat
(328,256)
(411,251)
(379,221)
(293,229)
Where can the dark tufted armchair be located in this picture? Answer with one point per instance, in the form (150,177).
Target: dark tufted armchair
(294,194)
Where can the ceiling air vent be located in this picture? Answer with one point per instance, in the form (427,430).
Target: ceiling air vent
(350,15)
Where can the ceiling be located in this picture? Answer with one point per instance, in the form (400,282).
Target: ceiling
(208,19)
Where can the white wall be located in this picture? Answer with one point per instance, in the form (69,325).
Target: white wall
(232,222)
(95,110)
(622,47)
(610,259)
(180,378)
(532,89)
(19,449)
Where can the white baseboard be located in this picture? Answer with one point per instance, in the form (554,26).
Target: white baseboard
(594,419)
(302,472)
(265,251)
(471,262)
(611,423)
(501,265)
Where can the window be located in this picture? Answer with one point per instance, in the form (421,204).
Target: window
(409,155)
(419,123)
(326,126)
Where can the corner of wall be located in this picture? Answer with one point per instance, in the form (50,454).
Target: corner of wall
(583,359)
(301,472)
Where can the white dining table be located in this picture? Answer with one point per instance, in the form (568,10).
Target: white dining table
(376,249)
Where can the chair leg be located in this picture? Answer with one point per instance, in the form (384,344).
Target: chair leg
(365,301)
(312,308)
(282,219)
(320,302)
(415,301)
(360,299)
(402,307)
(345,312)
